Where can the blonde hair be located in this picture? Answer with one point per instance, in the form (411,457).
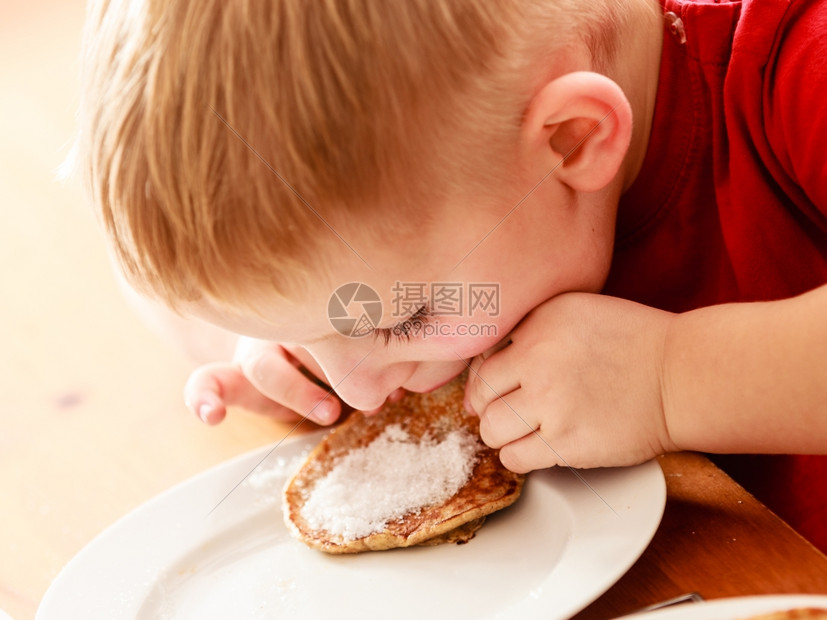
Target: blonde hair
(223,140)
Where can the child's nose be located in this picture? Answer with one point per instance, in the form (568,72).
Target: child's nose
(366,387)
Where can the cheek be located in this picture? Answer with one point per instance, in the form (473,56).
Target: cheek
(464,340)
(476,337)
(470,346)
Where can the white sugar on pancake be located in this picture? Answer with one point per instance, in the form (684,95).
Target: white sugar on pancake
(415,473)
(390,477)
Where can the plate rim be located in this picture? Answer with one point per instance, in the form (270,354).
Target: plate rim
(749,604)
(51,601)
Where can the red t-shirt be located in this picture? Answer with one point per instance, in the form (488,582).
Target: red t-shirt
(731,202)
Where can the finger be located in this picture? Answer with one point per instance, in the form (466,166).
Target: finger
(299,356)
(470,382)
(276,377)
(502,344)
(203,393)
(490,379)
(503,422)
(397,395)
(529,453)
(393,397)
(214,387)
(474,365)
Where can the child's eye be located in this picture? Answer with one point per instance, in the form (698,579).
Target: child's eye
(404,330)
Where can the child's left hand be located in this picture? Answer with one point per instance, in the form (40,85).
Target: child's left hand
(580,385)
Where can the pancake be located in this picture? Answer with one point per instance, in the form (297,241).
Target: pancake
(419,446)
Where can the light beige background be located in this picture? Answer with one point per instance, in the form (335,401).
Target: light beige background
(91,418)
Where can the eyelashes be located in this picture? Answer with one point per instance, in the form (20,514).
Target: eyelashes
(405,330)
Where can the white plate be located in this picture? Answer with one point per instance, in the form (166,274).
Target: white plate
(566,541)
(737,608)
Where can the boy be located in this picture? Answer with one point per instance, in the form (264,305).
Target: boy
(270,167)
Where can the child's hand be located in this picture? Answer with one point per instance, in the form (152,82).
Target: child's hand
(265,378)
(585,372)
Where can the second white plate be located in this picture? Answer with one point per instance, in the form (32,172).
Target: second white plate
(736,608)
(565,542)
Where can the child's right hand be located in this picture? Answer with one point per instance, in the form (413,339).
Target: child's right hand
(263,377)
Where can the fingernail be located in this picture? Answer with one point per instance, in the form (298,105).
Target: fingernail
(207,408)
(205,411)
(323,413)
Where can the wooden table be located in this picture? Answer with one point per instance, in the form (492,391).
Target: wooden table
(717,540)
(91,419)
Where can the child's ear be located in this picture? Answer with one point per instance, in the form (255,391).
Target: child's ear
(580,126)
